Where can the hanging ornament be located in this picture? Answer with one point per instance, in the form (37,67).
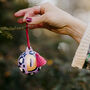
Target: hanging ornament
(30,62)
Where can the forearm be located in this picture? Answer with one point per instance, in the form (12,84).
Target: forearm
(77,29)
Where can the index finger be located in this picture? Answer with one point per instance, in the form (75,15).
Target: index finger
(35,10)
(21,12)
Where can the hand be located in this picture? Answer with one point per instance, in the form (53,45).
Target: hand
(54,19)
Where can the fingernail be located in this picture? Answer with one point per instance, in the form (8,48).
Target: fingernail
(29,19)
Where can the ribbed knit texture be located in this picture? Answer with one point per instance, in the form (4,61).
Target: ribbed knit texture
(82,50)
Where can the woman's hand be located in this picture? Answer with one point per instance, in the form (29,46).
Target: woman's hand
(52,18)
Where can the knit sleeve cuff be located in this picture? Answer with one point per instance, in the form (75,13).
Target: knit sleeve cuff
(80,57)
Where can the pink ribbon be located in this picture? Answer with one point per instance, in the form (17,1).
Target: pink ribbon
(27,36)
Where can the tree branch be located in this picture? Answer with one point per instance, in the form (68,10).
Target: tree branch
(11,28)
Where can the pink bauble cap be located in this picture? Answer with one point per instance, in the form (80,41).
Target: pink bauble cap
(40,60)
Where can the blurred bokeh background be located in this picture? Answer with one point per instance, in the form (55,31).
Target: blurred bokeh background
(57,49)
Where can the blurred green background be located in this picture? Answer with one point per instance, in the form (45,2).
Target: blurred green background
(59,50)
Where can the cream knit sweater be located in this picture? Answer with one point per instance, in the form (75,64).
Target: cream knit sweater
(83,48)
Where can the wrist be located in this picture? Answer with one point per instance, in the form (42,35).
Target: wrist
(77,29)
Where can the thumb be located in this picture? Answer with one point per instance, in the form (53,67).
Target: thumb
(35,20)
